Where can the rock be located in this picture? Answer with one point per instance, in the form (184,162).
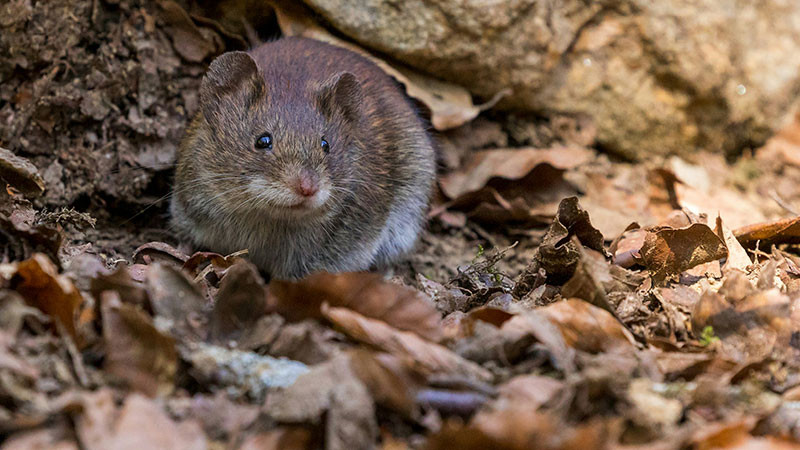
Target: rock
(656,77)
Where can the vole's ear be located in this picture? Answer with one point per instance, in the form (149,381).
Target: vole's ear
(232,81)
(341,94)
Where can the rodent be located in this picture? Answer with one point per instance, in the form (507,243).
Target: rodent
(306,154)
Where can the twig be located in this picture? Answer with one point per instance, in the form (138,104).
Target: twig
(782,203)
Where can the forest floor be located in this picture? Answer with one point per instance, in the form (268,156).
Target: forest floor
(559,298)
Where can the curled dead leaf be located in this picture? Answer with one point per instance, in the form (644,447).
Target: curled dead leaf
(767,233)
(402,307)
(669,251)
(135,350)
(560,250)
(152,252)
(430,357)
(588,328)
(175,298)
(513,185)
(138,423)
(332,393)
(240,302)
(20,173)
(39,283)
(186,37)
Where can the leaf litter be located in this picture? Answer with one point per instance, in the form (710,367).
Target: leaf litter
(558,299)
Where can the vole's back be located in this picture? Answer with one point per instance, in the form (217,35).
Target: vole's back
(379,204)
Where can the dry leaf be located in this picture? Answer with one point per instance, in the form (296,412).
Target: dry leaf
(121,282)
(20,173)
(391,382)
(775,232)
(670,251)
(523,329)
(402,344)
(135,350)
(187,39)
(400,306)
(520,429)
(158,252)
(737,255)
(139,424)
(39,283)
(240,302)
(513,185)
(176,298)
(332,392)
(588,328)
(560,250)
(529,391)
(282,438)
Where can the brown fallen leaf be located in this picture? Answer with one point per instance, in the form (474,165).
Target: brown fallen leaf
(138,424)
(39,283)
(222,419)
(121,282)
(682,366)
(135,350)
(508,164)
(784,146)
(402,307)
(588,328)
(332,393)
(669,251)
(450,105)
(158,251)
(522,429)
(281,438)
(532,391)
(392,382)
(177,299)
(644,196)
(559,252)
(737,255)
(696,190)
(186,37)
(625,249)
(20,173)
(202,265)
(240,302)
(750,329)
(56,437)
(23,235)
(524,330)
(513,185)
(768,233)
(593,279)
(430,357)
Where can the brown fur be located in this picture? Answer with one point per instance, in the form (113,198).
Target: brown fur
(379,172)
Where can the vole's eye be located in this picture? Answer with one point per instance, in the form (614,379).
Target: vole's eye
(264,141)
(325,146)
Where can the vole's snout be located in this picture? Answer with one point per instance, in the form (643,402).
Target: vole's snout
(305,183)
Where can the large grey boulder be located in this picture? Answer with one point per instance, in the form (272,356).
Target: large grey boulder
(659,77)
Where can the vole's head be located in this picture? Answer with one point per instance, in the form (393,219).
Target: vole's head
(285,147)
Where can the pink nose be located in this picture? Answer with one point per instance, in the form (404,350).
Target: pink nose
(306,184)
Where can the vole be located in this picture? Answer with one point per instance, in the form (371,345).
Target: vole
(306,154)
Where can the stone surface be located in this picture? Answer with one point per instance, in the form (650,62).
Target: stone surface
(656,77)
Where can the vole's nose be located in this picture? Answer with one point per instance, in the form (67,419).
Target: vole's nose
(306,183)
